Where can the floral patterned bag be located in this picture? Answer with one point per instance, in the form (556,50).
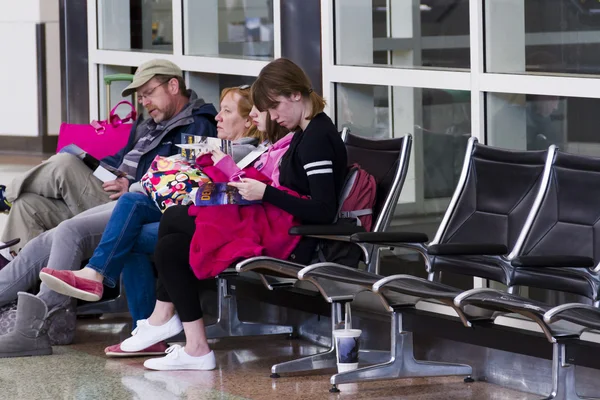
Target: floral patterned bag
(172,181)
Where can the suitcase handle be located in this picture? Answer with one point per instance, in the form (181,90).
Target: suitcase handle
(109,79)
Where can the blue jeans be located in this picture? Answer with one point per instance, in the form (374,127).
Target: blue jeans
(138,274)
(129,238)
(132,212)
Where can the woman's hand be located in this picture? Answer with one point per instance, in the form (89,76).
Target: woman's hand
(250,189)
(217,155)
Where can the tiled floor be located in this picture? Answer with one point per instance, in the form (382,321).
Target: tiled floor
(81,371)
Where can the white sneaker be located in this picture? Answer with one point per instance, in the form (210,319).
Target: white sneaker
(146,335)
(178,359)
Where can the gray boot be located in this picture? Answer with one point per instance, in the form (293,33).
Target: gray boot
(30,337)
(8,317)
(61,324)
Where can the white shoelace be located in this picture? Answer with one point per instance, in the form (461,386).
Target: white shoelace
(173,351)
(138,324)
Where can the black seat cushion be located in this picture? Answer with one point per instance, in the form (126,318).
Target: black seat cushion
(554,279)
(480,266)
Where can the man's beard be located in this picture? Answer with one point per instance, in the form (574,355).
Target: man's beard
(162,115)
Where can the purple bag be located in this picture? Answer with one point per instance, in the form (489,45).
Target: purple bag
(99,138)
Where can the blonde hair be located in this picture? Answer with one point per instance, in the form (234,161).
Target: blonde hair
(244,107)
(282,77)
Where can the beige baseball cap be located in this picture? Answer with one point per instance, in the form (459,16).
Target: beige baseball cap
(148,70)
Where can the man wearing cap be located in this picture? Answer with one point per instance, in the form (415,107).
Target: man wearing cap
(62,186)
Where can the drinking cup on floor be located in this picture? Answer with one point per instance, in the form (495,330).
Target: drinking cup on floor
(347,345)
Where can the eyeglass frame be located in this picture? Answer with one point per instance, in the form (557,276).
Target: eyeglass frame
(148,94)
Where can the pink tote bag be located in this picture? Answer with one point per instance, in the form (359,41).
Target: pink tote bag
(99,138)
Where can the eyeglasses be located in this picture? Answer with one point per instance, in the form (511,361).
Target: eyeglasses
(148,94)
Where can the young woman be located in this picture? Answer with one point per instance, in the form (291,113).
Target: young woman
(121,245)
(314,166)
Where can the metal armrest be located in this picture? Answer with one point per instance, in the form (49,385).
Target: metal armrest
(553,262)
(467,249)
(389,238)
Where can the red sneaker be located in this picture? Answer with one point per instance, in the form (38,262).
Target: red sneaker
(157,349)
(65,282)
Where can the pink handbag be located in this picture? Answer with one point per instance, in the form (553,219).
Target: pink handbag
(99,138)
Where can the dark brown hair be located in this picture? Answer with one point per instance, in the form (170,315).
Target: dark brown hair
(282,77)
(274,130)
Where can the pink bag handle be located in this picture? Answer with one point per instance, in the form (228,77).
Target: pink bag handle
(114,119)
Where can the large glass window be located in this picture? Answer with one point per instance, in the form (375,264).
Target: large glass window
(209,86)
(543,36)
(138,25)
(229,28)
(402,33)
(533,122)
(440,123)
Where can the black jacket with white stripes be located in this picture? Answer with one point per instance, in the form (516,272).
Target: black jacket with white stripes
(315,165)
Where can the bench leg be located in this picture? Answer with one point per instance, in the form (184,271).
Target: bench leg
(323,360)
(401,363)
(563,376)
(327,359)
(228,323)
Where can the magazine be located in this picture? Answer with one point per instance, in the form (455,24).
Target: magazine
(102,171)
(194,145)
(252,156)
(214,194)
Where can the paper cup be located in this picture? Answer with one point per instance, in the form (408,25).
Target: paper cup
(347,346)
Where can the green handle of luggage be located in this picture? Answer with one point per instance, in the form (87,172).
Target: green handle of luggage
(109,79)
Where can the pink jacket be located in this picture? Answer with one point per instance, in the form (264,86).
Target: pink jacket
(267,163)
(228,233)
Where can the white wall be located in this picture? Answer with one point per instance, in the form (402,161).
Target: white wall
(18,71)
